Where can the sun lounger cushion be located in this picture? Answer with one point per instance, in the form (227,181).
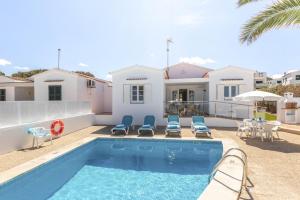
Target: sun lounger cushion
(146,126)
(120,126)
(173,126)
(173,123)
(200,127)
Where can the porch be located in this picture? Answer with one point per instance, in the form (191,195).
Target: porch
(186,96)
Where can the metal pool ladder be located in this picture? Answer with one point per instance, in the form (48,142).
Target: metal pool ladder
(242,159)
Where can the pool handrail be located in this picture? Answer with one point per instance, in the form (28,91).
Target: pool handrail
(244,161)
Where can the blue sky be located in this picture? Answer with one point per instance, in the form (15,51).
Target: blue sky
(101,36)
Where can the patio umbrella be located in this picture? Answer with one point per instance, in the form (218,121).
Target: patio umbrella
(257,96)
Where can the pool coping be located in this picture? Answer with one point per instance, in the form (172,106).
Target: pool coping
(208,193)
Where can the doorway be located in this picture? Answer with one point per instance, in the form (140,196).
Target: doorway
(183,94)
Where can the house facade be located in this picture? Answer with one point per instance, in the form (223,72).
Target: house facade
(59,85)
(15,89)
(260,79)
(292,77)
(182,89)
(137,90)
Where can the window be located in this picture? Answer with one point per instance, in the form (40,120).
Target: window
(259,82)
(137,94)
(191,95)
(174,95)
(230,91)
(278,82)
(297,77)
(2,95)
(54,92)
(233,91)
(226,91)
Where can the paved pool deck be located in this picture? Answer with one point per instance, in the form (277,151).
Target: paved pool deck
(274,168)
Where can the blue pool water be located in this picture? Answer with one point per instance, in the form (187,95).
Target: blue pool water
(121,169)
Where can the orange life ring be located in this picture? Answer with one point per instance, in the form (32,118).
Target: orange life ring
(61,125)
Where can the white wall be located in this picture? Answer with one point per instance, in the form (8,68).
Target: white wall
(23,112)
(153,89)
(281,111)
(15,137)
(24,93)
(107,98)
(10,93)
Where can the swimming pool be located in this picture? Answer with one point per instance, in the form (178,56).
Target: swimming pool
(121,169)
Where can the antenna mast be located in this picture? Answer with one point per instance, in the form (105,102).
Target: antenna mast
(169,40)
(58,58)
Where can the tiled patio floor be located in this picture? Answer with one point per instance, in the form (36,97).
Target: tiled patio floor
(274,168)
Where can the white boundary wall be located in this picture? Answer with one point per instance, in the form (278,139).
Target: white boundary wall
(21,112)
(15,137)
(17,117)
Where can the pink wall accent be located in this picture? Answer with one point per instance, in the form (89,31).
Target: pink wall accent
(185,70)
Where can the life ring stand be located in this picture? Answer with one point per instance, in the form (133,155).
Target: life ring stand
(54,130)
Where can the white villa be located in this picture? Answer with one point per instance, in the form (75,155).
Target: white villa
(292,77)
(184,89)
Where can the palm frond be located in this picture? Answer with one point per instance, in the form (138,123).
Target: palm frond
(281,14)
(243,2)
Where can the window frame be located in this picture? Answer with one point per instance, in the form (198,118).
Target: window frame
(55,95)
(174,95)
(230,89)
(3,95)
(139,93)
(191,95)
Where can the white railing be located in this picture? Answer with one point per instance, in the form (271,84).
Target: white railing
(227,109)
(21,112)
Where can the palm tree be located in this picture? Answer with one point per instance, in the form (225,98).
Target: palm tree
(282,13)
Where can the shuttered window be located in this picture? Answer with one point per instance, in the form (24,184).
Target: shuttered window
(137,94)
(54,92)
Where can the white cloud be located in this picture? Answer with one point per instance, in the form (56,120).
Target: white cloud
(196,60)
(190,19)
(276,76)
(82,65)
(4,62)
(108,77)
(22,68)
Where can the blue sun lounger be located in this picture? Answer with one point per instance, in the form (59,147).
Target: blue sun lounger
(173,125)
(149,124)
(198,126)
(124,126)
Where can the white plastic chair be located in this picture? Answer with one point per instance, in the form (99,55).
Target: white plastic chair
(276,127)
(39,132)
(268,130)
(242,128)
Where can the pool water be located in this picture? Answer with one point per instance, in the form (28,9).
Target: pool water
(122,169)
